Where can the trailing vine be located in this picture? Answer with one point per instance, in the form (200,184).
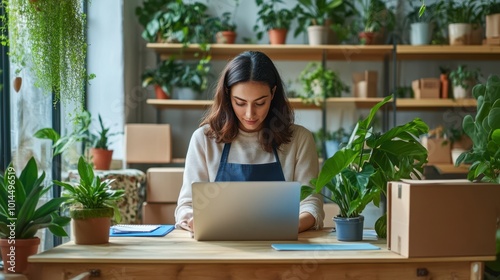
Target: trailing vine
(48,37)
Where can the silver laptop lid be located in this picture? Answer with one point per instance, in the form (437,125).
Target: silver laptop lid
(246,210)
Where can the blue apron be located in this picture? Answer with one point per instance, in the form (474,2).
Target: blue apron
(248,172)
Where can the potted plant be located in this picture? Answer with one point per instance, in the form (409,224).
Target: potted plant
(92,204)
(100,152)
(420,25)
(358,172)
(23,213)
(319,83)
(274,20)
(492,13)
(374,14)
(225,29)
(484,131)
(462,80)
(460,17)
(192,79)
(314,15)
(162,78)
(342,27)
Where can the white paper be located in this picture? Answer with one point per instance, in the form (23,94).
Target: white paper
(134,228)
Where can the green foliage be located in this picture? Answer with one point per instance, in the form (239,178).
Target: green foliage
(491,7)
(54,33)
(313,12)
(165,75)
(463,76)
(149,9)
(178,22)
(375,15)
(464,12)
(319,83)
(358,173)
(91,192)
(19,197)
(81,133)
(272,17)
(484,131)
(225,22)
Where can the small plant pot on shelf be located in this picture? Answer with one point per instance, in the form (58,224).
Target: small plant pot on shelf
(101,158)
(349,229)
(493,26)
(421,33)
(459,33)
(367,38)
(460,92)
(277,36)
(225,37)
(15,255)
(317,34)
(160,93)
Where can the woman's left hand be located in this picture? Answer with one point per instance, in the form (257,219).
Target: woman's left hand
(306,221)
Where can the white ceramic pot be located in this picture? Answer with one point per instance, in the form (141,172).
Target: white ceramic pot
(318,35)
(459,33)
(459,92)
(186,94)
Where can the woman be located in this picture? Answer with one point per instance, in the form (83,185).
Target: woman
(249,135)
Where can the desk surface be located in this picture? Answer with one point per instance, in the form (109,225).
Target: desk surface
(178,247)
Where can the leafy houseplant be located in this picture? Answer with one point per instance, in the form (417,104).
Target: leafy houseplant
(375,17)
(484,130)
(314,13)
(55,34)
(319,83)
(273,19)
(462,80)
(92,203)
(21,217)
(358,173)
(163,77)
(225,29)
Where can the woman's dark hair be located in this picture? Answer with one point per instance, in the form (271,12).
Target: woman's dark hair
(250,66)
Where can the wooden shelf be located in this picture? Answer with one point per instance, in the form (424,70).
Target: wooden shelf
(278,52)
(433,104)
(296,103)
(447,52)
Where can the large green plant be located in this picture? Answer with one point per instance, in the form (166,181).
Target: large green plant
(90,193)
(358,173)
(20,215)
(313,12)
(484,130)
(272,17)
(54,33)
(319,83)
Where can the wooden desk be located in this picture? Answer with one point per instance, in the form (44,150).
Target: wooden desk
(177,256)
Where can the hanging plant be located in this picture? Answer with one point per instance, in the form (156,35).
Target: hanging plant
(48,38)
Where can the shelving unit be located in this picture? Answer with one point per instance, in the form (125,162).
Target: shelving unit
(446,52)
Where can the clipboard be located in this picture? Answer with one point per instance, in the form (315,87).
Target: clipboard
(159,232)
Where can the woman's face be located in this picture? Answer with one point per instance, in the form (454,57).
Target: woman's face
(251,102)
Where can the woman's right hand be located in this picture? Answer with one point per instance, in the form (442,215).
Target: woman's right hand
(191,224)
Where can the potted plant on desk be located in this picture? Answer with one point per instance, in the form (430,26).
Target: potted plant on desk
(357,173)
(92,204)
(484,131)
(22,214)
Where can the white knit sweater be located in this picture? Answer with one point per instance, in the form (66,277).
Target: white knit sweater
(299,161)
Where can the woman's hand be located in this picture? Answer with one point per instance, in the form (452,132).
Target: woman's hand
(191,224)
(306,221)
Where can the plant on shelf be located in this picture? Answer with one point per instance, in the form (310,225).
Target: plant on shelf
(225,29)
(162,78)
(194,76)
(484,131)
(146,13)
(319,83)
(97,143)
(358,172)
(373,17)
(462,80)
(54,33)
(23,212)
(273,20)
(343,25)
(314,13)
(92,204)
(179,22)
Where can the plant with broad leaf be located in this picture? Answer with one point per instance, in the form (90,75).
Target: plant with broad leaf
(19,198)
(358,173)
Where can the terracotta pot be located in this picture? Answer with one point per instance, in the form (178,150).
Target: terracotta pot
(277,36)
(160,93)
(225,37)
(444,85)
(91,231)
(367,37)
(16,260)
(18,81)
(101,158)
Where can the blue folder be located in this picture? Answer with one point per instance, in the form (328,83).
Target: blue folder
(325,247)
(160,231)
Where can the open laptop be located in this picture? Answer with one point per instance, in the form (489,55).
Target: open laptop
(226,211)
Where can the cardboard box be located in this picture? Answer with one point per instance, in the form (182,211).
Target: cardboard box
(438,150)
(442,218)
(158,213)
(365,84)
(164,184)
(148,143)
(426,88)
